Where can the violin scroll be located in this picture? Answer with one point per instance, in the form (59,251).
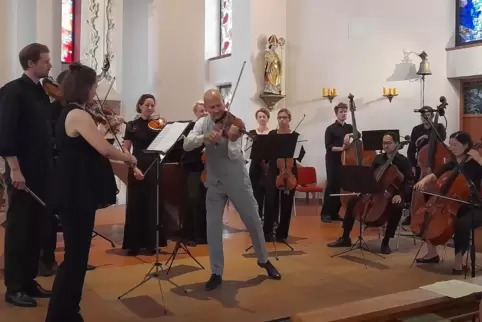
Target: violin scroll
(157,123)
(52,88)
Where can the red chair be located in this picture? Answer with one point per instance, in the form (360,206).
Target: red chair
(307,183)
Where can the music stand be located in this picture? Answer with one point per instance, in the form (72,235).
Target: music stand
(372,140)
(161,145)
(364,184)
(273,147)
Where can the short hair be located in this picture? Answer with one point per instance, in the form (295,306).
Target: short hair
(340,106)
(31,52)
(393,135)
(285,110)
(197,104)
(464,138)
(77,83)
(142,99)
(263,110)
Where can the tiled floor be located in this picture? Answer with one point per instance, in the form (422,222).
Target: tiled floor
(311,279)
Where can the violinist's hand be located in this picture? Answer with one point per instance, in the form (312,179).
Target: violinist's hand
(138,174)
(132,162)
(214,136)
(346,140)
(233,133)
(474,154)
(18,180)
(420,185)
(396,199)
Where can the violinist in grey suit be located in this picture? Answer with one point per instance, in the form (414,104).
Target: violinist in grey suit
(227,178)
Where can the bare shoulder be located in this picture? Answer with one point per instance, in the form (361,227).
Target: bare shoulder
(78,115)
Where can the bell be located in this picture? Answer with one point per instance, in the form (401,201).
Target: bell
(424,68)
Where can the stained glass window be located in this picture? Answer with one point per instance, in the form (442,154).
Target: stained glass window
(67,31)
(469,21)
(226,26)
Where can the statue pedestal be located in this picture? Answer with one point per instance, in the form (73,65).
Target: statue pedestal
(271,99)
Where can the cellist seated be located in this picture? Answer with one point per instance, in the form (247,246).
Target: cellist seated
(390,142)
(461,145)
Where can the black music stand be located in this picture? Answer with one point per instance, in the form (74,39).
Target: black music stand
(273,147)
(364,184)
(161,150)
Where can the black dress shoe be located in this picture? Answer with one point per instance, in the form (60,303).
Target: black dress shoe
(214,282)
(270,270)
(21,299)
(47,270)
(91,267)
(433,260)
(35,290)
(341,242)
(385,249)
(326,218)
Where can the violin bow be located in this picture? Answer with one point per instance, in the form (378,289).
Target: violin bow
(234,94)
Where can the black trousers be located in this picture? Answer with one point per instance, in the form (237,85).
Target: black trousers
(77,225)
(392,223)
(258,182)
(23,239)
(272,209)
(194,221)
(47,255)
(463,228)
(332,204)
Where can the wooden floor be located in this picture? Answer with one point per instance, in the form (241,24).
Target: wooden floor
(311,279)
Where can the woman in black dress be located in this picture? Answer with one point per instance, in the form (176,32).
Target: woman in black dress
(141,208)
(273,194)
(258,168)
(84,182)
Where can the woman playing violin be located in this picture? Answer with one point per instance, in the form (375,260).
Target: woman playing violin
(141,208)
(461,145)
(258,168)
(277,202)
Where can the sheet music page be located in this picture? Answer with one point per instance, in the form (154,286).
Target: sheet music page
(167,137)
(453,288)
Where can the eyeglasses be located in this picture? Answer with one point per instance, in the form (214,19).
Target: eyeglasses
(387,143)
(283,117)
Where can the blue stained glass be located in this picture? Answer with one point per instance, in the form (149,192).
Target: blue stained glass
(470,21)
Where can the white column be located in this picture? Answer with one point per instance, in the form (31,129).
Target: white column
(49,31)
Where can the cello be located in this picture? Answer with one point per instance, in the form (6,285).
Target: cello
(353,155)
(376,208)
(431,157)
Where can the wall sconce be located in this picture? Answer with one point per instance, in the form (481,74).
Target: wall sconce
(329,93)
(390,93)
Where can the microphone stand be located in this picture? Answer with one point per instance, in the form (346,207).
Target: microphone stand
(475,199)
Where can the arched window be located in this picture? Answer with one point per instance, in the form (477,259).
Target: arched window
(226,26)
(69,31)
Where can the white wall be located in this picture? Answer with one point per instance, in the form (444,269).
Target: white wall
(355,46)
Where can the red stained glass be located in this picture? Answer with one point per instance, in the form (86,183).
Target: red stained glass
(226,26)
(67,31)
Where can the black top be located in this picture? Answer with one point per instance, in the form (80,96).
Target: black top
(83,177)
(273,166)
(255,165)
(25,130)
(191,160)
(471,169)
(417,132)
(334,136)
(403,165)
(141,137)
(55,110)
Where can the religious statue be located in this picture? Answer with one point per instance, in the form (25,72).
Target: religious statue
(273,66)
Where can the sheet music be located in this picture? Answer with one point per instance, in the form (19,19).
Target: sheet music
(453,288)
(167,137)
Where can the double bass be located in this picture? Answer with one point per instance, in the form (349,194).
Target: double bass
(354,155)
(431,157)
(376,208)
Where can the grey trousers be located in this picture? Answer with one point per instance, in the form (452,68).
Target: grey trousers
(241,195)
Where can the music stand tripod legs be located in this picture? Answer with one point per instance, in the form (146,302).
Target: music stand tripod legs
(180,245)
(95,234)
(360,243)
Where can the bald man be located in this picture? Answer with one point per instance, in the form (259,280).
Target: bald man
(227,177)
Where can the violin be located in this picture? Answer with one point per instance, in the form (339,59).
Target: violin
(228,119)
(157,123)
(354,155)
(286,180)
(52,88)
(375,209)
(435,220)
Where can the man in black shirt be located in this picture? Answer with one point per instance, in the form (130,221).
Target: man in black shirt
(336,140)
(194,223)
(390,142)
(26,145)
(420,137)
